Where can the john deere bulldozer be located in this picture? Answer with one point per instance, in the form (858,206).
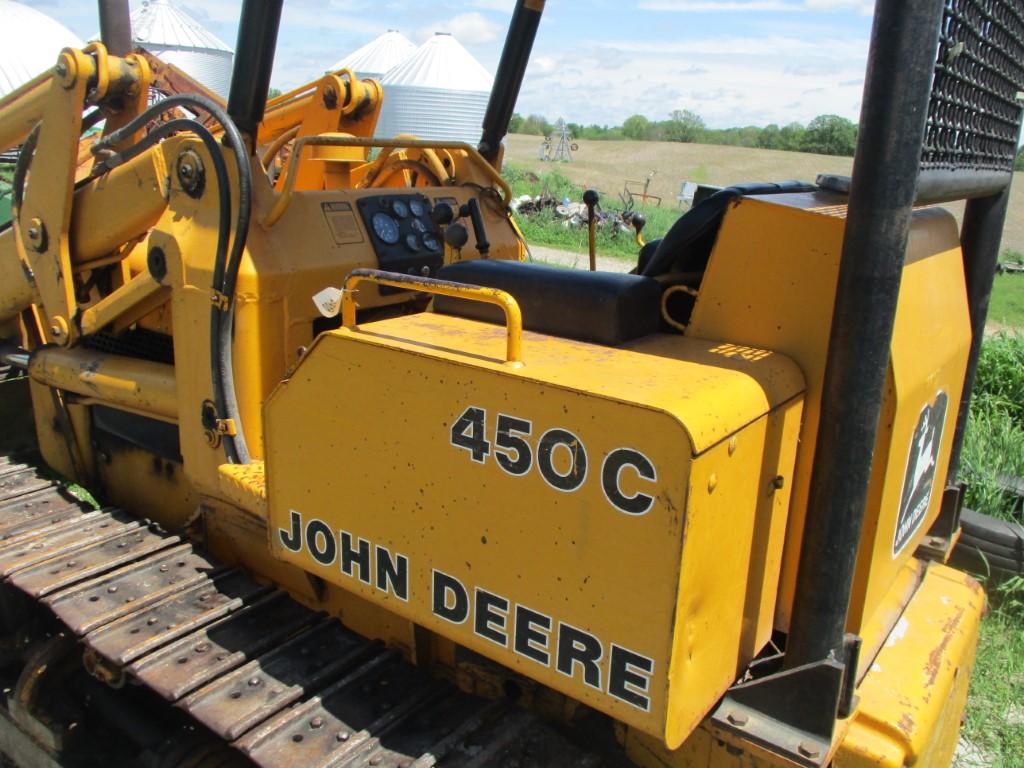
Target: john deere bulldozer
(381,492)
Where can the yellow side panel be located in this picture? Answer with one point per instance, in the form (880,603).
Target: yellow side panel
(639,614)
(930,344)
(771,284)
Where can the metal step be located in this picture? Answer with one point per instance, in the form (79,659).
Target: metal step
(283,684)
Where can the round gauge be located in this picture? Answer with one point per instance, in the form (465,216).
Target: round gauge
(412,242)
(419,206)
(431,243)
(400,208)
(385,227)
(418,226)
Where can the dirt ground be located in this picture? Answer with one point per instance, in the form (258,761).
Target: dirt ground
(606,165)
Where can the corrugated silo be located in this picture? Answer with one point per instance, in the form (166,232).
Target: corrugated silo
(175,37)
(439,93)
(32,41)
(377,56)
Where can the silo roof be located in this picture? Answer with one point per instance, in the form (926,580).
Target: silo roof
(441,62)
(379,55)
(161,23)
(32,42)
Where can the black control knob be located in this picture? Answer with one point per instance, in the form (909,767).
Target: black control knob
(591,198)
(456,235)
(442,214)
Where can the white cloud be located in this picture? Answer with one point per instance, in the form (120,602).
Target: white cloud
(717,6)
(739,80)
(468,28)
(504,6)
(864,7)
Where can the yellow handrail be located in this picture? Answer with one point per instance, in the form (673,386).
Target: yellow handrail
(513,316)
(336,140)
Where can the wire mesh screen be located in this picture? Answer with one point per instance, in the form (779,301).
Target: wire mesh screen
(974,113)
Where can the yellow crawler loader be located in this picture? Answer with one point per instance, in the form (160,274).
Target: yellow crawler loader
(382,492)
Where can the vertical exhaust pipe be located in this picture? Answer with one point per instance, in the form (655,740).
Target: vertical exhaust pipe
(904,41)
(254,61)
(514,57)
(116,27)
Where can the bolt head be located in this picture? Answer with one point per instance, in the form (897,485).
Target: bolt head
(737,718)
(36,232)
(808,749)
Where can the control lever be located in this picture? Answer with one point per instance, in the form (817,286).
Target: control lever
(472,209)
(638,220)
(590,199)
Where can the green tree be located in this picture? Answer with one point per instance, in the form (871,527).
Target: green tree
(830,135)
(636,127)
(683,125)
(1018,164)
(791,137)
(515,125)
(536,125)
(769,137)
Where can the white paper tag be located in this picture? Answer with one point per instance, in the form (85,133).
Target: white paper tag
(328,301)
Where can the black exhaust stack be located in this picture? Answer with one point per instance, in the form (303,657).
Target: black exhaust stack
(904,41)
(116,27)
(514,57)
(254,61)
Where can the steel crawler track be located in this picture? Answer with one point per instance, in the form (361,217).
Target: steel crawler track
(282,684)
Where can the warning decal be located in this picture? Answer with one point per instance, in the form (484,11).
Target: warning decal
(919,479)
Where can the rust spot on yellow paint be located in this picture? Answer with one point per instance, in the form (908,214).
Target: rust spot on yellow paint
(932,667)
(906,724)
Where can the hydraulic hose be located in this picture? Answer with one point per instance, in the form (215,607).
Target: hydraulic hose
(225,276)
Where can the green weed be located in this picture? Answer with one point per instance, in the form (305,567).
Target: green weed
(994,441)
(1000,378)
(995,712)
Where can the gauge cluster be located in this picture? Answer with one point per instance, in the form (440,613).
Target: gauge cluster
(403,236)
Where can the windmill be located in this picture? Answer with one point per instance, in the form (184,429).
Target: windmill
(559,145)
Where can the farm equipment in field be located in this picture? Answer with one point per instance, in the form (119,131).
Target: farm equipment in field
(463,510)
(632,189)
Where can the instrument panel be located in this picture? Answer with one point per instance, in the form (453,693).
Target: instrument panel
(403,236)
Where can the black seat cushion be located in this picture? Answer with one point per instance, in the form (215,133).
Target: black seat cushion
(599,307)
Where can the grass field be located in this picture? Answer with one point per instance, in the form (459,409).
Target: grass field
(606,165)
(1007,305)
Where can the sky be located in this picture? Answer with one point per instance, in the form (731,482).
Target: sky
(733,62)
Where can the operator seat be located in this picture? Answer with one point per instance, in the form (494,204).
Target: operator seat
(599,307)
(608,308)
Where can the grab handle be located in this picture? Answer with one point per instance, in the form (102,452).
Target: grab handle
(513,316)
